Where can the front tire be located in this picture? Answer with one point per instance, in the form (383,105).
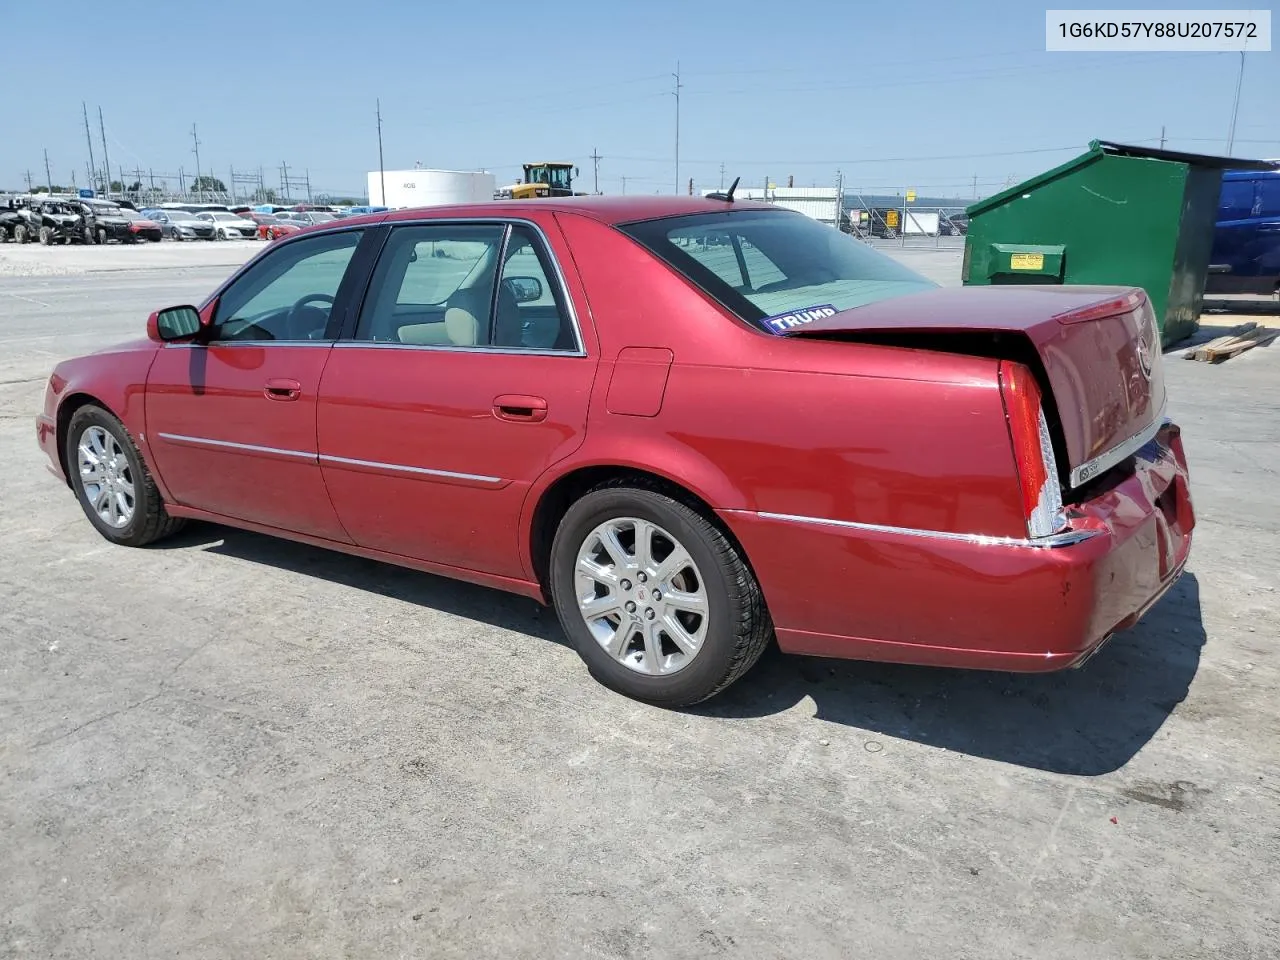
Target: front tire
(20,233)
(46,235)
(112,482)
(102,237)
(659,603)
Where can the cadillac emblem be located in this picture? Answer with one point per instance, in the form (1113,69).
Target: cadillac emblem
(1144,356)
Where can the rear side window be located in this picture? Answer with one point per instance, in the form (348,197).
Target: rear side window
(771,266)
(1269,189)
(1237,200)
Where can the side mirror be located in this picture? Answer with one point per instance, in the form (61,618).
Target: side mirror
(524,289)
(174,323)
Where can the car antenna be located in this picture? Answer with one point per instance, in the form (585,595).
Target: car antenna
(721,195)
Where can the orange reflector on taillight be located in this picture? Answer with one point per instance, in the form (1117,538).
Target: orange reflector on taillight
(1032,449)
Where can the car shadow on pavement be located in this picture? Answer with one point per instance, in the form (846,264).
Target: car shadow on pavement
(1088,721)
(455,597)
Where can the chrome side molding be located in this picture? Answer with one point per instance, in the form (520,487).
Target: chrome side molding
(1064,538)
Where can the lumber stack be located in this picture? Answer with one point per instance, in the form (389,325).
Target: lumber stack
(1233,343)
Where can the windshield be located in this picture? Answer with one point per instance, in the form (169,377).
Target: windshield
(767,265)
(224,216)
(318,217)
(557,177)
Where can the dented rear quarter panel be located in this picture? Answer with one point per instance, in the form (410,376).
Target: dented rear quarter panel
(750,421)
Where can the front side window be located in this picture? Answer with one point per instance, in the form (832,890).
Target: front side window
(288,294)
(764,264)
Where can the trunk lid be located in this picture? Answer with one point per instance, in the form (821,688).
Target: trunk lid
(1098,348)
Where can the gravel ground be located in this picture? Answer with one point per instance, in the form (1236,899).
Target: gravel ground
(234,746)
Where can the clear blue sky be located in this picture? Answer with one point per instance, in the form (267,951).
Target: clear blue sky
(771,89)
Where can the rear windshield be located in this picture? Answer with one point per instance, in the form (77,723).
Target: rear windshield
(773,268)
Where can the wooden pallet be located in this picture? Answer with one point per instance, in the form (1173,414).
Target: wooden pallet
(1237,341)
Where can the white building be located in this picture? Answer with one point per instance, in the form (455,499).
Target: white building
(820,203)
(429,188)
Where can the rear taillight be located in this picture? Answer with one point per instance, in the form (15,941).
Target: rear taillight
(1032,450)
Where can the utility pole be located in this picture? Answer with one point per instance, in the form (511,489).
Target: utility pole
(624,186)
(722,178)
(596,158)
(284,181)
(839,199)
(382,173)
(1162,136)
(196,150)
(28,181)
(677,95)
(89,138)
(106,162)
(1235,107)
(975,186)
(47,175)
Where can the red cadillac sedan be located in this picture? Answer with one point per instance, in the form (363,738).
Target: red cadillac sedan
(691,425)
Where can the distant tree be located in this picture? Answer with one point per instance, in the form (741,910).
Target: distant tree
(117,186)
(347,202)
(265,195)
(208,185)
(136,187)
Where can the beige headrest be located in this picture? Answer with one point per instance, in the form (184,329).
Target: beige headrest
(462,327)
(424,334)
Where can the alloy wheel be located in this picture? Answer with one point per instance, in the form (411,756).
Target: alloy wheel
(106,477)
(641,596)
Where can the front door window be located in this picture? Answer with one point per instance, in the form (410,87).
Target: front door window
(288,295)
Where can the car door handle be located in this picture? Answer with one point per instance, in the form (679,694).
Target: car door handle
(280,389)
(520,408)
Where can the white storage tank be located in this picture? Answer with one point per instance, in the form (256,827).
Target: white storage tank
(429,188)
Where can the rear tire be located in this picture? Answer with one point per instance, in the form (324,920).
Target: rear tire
(111,481)
(102,237)
(46,235)
(634,650)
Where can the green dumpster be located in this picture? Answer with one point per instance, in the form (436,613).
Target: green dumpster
(1116,214)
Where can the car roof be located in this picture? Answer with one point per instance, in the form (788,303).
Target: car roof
(608,210)
(1250,174)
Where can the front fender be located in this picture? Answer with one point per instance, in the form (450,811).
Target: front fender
(115,379)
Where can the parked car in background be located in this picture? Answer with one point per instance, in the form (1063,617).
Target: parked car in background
(18,222)
(683,489)
(273,228)
(142,227)
(306,218)
(228,226)
(263,220)
(180,224)
(60,222)
(104,221)
(1246,241)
